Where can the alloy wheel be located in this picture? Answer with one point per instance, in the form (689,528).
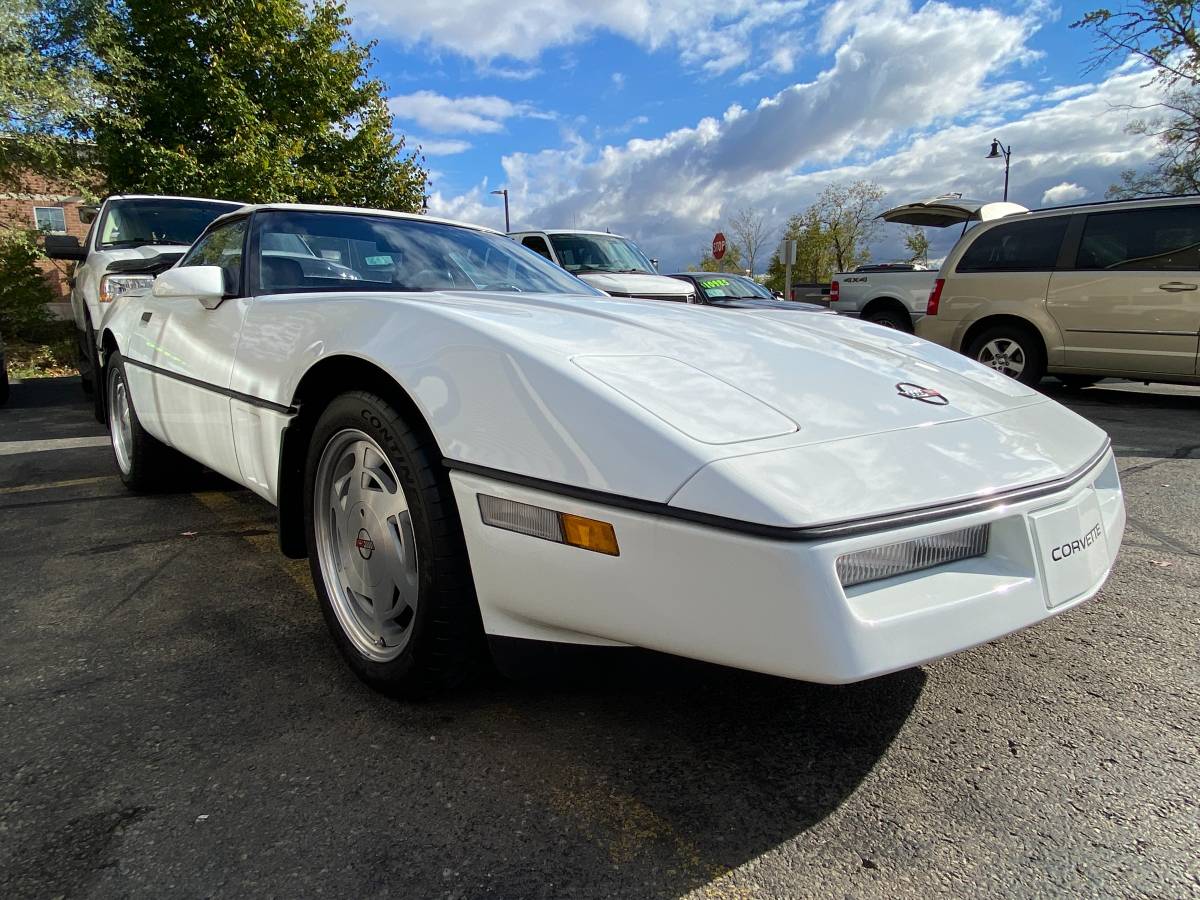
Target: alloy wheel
(1004,355)
(365,545)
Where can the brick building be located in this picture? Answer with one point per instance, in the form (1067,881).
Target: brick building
(51,208)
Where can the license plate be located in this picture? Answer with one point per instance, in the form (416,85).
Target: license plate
(1073,548)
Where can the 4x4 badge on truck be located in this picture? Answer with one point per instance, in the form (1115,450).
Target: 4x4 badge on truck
(924,394)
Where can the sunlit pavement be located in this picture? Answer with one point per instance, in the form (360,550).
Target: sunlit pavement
(175,723)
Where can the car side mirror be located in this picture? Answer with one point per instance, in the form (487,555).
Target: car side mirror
(65,246)
(87,214)
(205,284)
(778,295)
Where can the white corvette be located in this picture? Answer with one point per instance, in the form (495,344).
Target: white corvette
(465,440)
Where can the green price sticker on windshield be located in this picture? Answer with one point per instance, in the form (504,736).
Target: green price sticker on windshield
(378,260)
(715,283)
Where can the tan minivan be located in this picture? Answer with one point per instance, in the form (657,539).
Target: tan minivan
(1082,293)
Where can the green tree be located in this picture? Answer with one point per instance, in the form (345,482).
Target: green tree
(917,242)
(1163,35)
(814,252)
(269,100)
(47,95)
(730,262)
(847,213)
(24,292)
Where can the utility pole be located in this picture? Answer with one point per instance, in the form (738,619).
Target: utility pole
(507,226)
(789,260)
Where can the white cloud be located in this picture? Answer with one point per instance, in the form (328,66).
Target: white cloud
(1064,192)
(457,115)
(439,146)
(711,34)
(911,100)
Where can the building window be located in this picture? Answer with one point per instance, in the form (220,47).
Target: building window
(50,219)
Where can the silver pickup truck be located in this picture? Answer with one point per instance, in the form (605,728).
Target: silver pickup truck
(895,295)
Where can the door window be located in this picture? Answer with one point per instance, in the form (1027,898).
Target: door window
(1028,246)
(1162,238)
(538,245)
(222,247)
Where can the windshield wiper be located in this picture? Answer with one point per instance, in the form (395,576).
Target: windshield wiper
(144,242)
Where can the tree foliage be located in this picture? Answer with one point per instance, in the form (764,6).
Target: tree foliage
(847,212)
(814,252)
(47,94)
(1163,35)
(917,242)
(24,292)
(750,233)
(730,262)
(268,100)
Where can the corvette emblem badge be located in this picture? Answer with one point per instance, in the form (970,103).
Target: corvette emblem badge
(924,394)
(364,544)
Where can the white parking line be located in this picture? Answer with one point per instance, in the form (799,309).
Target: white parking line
(49,485)
(11,448)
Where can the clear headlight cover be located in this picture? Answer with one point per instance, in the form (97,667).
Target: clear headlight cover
(890,560)
(114,287)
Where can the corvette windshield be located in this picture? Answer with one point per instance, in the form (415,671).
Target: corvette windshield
(136,222)
(582,253)
(371,252)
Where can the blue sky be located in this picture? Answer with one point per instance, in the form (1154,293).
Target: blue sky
(660,118)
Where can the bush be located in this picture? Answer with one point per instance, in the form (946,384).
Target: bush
(24,292)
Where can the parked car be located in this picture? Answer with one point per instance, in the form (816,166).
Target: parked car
(727,290)
(610,262)
(3,372)
(895,295)
(467,441)
(132,238)
(1083,292)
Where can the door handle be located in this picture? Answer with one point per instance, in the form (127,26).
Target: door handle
(1174,287)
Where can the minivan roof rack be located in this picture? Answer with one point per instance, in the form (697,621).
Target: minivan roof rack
(1146,197)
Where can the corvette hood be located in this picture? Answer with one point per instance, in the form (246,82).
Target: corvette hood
(635,285)
(779,418)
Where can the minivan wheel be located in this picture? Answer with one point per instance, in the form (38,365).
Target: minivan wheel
(386,550)
(1012,350)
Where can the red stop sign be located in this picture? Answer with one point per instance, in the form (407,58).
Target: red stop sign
(718,245)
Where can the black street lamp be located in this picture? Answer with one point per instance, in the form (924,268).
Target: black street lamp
(998,151)
(504,191)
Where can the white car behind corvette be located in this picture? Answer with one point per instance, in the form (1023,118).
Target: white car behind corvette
(465,440)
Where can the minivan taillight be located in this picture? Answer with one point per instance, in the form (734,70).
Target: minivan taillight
(935,297)
(835,292)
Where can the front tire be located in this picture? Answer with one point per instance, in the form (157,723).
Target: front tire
(1014,350)
(386,550)
(146,464)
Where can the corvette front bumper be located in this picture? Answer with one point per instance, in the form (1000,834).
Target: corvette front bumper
(777,606)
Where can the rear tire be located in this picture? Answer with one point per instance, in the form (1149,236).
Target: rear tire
(386,550)
(891,318)
(1012,349)
(146,464)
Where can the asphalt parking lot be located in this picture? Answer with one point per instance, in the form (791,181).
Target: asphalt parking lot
(176,723)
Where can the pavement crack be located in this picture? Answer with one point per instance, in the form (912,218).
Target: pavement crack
(1162,537)
(1178,453)
(158,570)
